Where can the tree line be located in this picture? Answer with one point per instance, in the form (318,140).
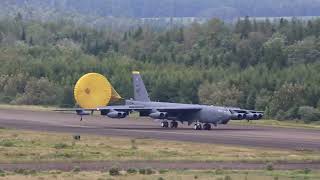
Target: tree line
(265,65)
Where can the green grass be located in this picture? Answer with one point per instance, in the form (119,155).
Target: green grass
(169,174)
(29,146)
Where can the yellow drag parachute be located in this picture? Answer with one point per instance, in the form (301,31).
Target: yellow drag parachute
(94,90)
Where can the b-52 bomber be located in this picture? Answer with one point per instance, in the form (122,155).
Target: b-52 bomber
(93,92)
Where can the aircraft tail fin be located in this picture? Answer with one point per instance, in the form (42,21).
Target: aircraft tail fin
(140,92)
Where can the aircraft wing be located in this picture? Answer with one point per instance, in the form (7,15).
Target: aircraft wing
(121,111)
(118,108)
(133,108)
(143,108)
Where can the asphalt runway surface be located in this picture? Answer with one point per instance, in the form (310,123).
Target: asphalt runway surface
(105,165)
(243,135)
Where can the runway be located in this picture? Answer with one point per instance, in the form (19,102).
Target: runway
(103,165)
(247,135)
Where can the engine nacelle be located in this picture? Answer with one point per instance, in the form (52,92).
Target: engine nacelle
(117,114)
(252,116)
(238,116)
(260,115)
(159,115)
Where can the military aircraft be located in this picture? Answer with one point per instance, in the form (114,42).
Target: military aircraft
(90,94)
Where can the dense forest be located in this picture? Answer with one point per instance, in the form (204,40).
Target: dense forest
(270,66)
(227,9)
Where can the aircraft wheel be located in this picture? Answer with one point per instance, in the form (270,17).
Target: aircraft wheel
(207,126)
(197,127)
(174,124)
(164,124)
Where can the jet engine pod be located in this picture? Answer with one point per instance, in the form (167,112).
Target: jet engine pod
(260,115)
(159,115)
(94,90)
(116,114)
(252,116)
(238,116)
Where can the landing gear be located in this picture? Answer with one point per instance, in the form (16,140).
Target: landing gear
(207,126)
(164,124)
(197,126)
(174,124)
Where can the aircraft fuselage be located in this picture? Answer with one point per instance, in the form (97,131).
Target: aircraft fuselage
(206,114)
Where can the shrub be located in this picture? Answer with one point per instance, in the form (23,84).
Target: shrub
(163,171)
(306,171)
(227,178)
(280,115)
(25,171)
(308,113)
(60,146)
(292,113)
(114,171)
(149,171)
(63,155)
(160,178)
(131,171)
(2,173)
(6,143)
(133,144)
(270,167)
(142,171)
(219,171)
(39,91)
(19,171)
(77,137)
(76,169)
